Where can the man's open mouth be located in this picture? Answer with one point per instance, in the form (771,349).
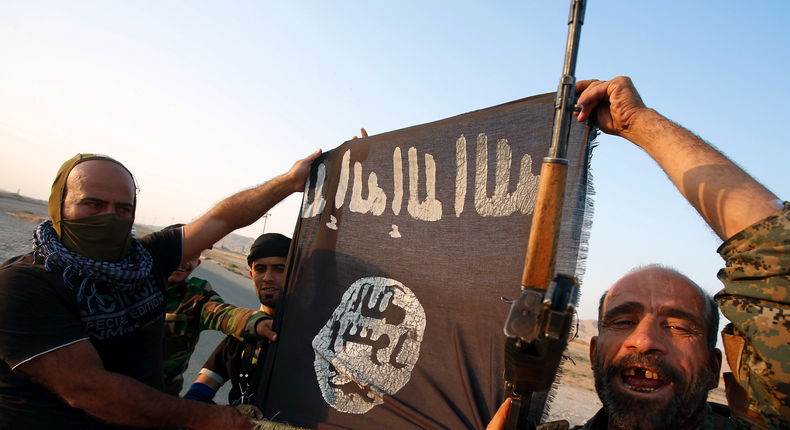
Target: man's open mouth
(269,289)
(643,380)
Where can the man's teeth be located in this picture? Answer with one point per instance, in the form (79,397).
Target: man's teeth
(649,374)
(641,389)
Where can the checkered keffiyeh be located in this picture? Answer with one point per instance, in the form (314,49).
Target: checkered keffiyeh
(125,275)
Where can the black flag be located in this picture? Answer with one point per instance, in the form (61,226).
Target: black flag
(391,316)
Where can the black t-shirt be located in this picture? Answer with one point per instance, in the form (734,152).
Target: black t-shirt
(235,361)
(39,313)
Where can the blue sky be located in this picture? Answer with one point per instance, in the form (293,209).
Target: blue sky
(202,99)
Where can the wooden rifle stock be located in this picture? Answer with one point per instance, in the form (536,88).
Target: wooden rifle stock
(544,233)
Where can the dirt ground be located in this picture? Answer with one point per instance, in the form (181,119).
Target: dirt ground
(233,261)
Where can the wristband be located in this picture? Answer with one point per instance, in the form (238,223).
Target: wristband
(201,392)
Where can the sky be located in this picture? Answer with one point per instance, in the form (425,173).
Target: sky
(202,99)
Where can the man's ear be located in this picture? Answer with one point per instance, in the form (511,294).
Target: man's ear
(251,277)
(714,363)
(593,345)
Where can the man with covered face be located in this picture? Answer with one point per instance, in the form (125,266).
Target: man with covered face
(81,317)
(654,359)
(237,361)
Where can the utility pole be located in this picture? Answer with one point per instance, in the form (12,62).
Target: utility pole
(265,218)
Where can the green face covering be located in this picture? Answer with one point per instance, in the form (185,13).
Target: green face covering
(105,237)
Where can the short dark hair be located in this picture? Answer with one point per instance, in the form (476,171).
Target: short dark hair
(711,309)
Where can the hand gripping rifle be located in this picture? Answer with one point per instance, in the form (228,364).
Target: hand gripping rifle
(540,319)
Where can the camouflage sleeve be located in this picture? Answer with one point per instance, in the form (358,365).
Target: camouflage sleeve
(756,299)
(231,320)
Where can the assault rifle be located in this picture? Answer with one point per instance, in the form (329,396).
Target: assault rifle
(540,319)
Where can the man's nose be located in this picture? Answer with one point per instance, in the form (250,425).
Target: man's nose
(269,275)
(647,337)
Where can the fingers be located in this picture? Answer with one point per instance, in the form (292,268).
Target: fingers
(593,91)
(616,104)
(298,173)
(500,418)
(582,85)
(264,329)
(250,411)
(363,132)
(312,157)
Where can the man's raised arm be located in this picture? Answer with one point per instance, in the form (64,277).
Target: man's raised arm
(243,208)
(726,196)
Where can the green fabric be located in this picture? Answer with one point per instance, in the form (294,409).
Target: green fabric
(106,237)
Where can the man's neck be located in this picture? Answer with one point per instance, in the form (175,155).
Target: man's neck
(269,310)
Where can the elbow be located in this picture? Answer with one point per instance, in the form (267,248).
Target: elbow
(86,398)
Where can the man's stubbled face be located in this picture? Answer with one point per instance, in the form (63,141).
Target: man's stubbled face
(268,275)
(651,361)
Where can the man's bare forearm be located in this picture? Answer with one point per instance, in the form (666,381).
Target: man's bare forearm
(725,195)
(76,374)
(124,401)
(243,208)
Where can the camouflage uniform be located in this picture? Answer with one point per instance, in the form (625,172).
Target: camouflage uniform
(756,299)
(192,306)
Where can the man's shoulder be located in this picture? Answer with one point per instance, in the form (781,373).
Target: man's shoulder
(19,261)
(166,248)
(201,286)
(190,296)
(193,290)
(160,238)
(25,266)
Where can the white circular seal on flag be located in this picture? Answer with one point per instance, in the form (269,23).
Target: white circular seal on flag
(370,345)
